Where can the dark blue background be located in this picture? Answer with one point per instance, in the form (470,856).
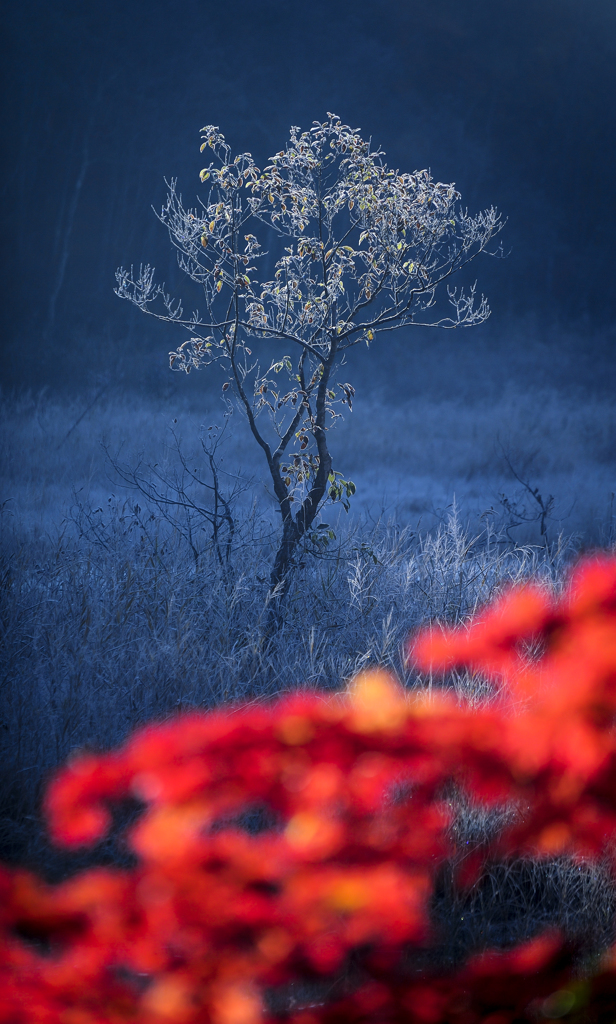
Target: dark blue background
(514,101)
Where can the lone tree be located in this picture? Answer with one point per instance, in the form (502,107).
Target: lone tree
(366,250)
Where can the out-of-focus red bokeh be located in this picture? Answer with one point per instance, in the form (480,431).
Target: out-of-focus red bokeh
(217,922)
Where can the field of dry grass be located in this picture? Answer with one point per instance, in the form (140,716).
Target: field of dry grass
(117,609)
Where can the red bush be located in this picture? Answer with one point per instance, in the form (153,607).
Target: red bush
(216,924)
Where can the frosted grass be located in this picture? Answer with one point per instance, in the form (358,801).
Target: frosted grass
(110,620)
(408,460)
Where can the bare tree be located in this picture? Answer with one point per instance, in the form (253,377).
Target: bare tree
(191,499)
(366,250)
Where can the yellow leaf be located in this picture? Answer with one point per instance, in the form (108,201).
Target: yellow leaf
(313,836)
(236,1004)
(377,702)
(349,894)
(295,730)
(169,999)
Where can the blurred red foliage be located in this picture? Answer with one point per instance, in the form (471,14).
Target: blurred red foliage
(216,922)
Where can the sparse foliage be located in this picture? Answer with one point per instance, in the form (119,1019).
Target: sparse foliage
(364,251)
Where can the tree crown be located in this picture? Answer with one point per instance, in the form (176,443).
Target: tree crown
(364,249)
